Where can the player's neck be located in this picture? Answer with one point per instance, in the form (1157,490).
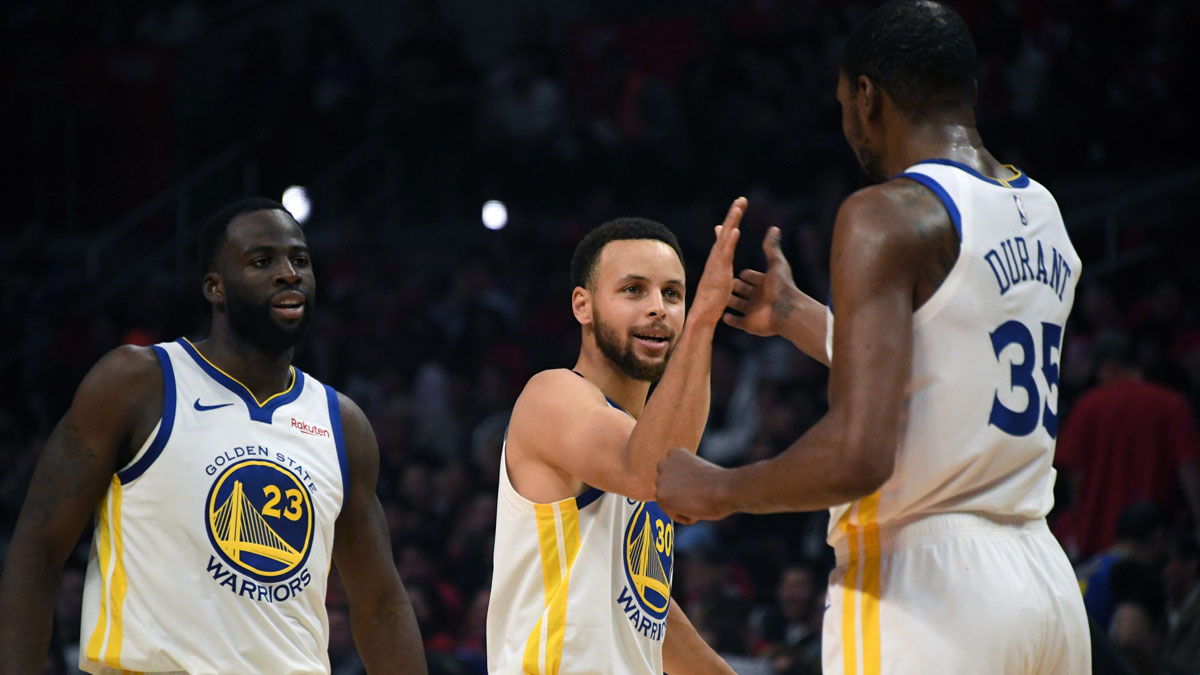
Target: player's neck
(954,139)
(618,387)
(263,374)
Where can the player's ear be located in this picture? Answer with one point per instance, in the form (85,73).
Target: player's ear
(868,99)
(581,305)
(213,288)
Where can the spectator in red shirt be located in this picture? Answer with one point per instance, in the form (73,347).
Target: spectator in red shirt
(1125,440)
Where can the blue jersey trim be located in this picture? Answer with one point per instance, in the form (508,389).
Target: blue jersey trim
(1020,181)
(258,412)
(614,404)
(335,421)
(587,497)
(139,467)
(937,189)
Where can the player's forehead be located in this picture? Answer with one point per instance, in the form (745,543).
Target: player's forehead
(646,258)
(267,228)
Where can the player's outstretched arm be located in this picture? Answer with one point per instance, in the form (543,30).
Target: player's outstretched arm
(685,652)
(381,616)
(107,417)
(771,304)
(850,452)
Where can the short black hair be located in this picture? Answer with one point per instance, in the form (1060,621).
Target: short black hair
(587,252)
(919,51)
(212,233)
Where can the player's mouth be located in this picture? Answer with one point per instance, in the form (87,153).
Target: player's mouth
(653,340)
(289,305)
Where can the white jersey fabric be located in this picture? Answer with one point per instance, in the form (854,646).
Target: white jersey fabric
(212,547)
(979,437)
(581,585)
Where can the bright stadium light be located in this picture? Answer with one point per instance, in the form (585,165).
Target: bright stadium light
(295,200)
(495,214)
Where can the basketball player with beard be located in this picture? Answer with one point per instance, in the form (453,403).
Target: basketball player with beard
(583,559)
(223,481)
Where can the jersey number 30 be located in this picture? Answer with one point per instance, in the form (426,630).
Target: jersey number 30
(1024,422)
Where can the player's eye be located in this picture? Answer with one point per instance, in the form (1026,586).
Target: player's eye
(673,293)
(632,289)
(300,261)
(261,262)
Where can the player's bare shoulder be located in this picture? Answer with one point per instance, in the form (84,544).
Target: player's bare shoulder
(128,376)
(915,225)
(122,393)
(551,394)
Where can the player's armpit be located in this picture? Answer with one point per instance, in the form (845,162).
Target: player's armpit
(109,415)
(562,430)
(381,615)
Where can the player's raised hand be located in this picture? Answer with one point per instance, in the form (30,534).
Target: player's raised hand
(765,299)
(688,487)
(716,284)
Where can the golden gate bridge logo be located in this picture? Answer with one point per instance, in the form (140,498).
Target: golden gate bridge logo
(649,551)
(260,519)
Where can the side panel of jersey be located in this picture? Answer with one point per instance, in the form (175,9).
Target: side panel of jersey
(982,413)
(579,586)
(212,547)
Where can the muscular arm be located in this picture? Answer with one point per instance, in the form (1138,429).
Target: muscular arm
(110,415)
(878,252)
(381,616)
(684,651)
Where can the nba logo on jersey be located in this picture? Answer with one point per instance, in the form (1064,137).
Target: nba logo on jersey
(648,554)
(260,522)
(1020,209)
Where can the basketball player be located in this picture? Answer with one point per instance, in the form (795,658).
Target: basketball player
(223,481)
(583,560)
(951,284)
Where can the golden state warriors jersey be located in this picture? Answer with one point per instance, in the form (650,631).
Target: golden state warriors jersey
(983,408)
(212,547)
(582,585)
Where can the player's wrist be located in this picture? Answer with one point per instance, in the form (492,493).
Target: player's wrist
(721,493)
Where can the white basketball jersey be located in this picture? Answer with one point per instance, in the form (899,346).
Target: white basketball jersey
(212,547)
(983,408)
(582,585)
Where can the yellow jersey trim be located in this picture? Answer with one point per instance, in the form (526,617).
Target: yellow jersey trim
(104,646)
(558,543)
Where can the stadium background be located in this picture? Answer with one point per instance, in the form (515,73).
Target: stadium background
(125,124)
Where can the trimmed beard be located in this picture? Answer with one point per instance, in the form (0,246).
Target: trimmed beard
(622,356)
(254,324)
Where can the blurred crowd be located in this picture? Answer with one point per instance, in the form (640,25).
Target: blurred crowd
(667,116)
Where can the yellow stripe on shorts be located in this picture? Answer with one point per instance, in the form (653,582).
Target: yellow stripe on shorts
(860,589)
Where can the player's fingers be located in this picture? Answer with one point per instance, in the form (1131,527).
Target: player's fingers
(738,304)
(736,210)
(773,246)
(751,277)
(734,320)
(743,289)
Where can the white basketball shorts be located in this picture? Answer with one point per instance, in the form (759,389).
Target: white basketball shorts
(954,593)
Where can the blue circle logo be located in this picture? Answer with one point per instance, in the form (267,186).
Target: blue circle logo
(649,552)
(260,519)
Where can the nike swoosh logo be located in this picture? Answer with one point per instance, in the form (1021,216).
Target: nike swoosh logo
(198,406)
